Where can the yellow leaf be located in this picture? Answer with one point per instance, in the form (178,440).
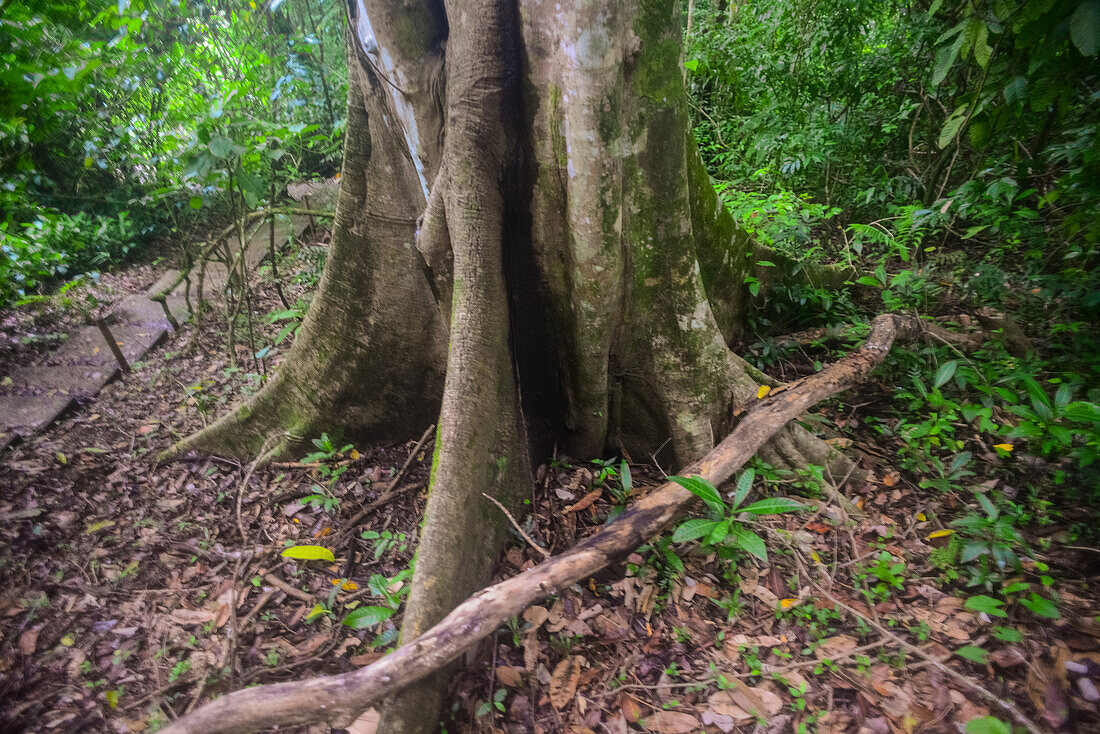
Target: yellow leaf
(922,517)
(815,556)
(97,526)
(1006,447)
(355,455)
(787,603)
(112,698)
(317,611)
(764,390)
(62,458)
(349,586)
(68,641)
(939,534)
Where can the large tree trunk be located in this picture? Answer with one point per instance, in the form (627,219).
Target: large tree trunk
(528,246)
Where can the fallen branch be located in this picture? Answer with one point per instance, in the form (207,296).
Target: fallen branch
(1007,706)
(339,699)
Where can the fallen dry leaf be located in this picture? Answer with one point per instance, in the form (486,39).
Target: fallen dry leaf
(631,708)
(671,722)
(563,681)
(188,617)
(535,616)
(837,645)
(367,723)
(510,676)
(723,704)
(531,651)
(585,502)
(756,701)
(28,641)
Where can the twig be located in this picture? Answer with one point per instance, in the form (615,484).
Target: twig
(1007,706)
(386,496)
(244,483)
(339,699)
(545,553)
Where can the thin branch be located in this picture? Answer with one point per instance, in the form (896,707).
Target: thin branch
(339,699)
(545,553)
(1007,706)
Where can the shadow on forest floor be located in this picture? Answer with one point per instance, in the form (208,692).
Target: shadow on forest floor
(129,594)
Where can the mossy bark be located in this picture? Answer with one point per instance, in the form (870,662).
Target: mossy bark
(370,356)
(574,280)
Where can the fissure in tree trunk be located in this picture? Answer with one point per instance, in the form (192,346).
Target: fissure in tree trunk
(528,247)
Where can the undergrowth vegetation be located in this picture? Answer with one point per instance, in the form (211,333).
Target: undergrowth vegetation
(946,154)
(126,121)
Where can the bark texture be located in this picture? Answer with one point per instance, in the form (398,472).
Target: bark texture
(370,356)
(528,246)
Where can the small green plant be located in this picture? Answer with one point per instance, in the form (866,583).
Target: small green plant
(733,606)
(722,528)
(391,591)
(990,540)
(324,496)
(178,670)
(385,541)
(497,703)
(889,575)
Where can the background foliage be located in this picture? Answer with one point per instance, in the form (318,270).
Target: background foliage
(948,152)
(121,120)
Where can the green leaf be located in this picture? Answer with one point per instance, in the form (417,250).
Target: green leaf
(951,126)
(773,506)
(749,541)
(987,604)
(977,654)
(720,531)
(309,553)
(1007,634)
(982,51)
(195,203)
(1016,90)
(744,484)
(366,617)
(252,185)
(221,146)
(987,725)
(945,373)
(692,529)
(704,490)
(972,550)
(1041,606)
(625,478)
(692,65)
(1084,27)
(868,280)
(946,55)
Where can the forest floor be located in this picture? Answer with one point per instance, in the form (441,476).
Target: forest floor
(131,591)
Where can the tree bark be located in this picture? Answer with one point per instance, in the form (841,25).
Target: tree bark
(527,246)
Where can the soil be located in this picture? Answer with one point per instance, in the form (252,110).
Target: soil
(131,590)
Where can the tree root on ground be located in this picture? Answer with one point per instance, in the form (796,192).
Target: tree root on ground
(339,699)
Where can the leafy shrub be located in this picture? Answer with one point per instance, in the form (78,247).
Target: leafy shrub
(54,245)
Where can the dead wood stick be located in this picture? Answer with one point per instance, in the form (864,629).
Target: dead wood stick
(1007,706)
(391,491)
(339,699)
(519,529)
(112,344)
